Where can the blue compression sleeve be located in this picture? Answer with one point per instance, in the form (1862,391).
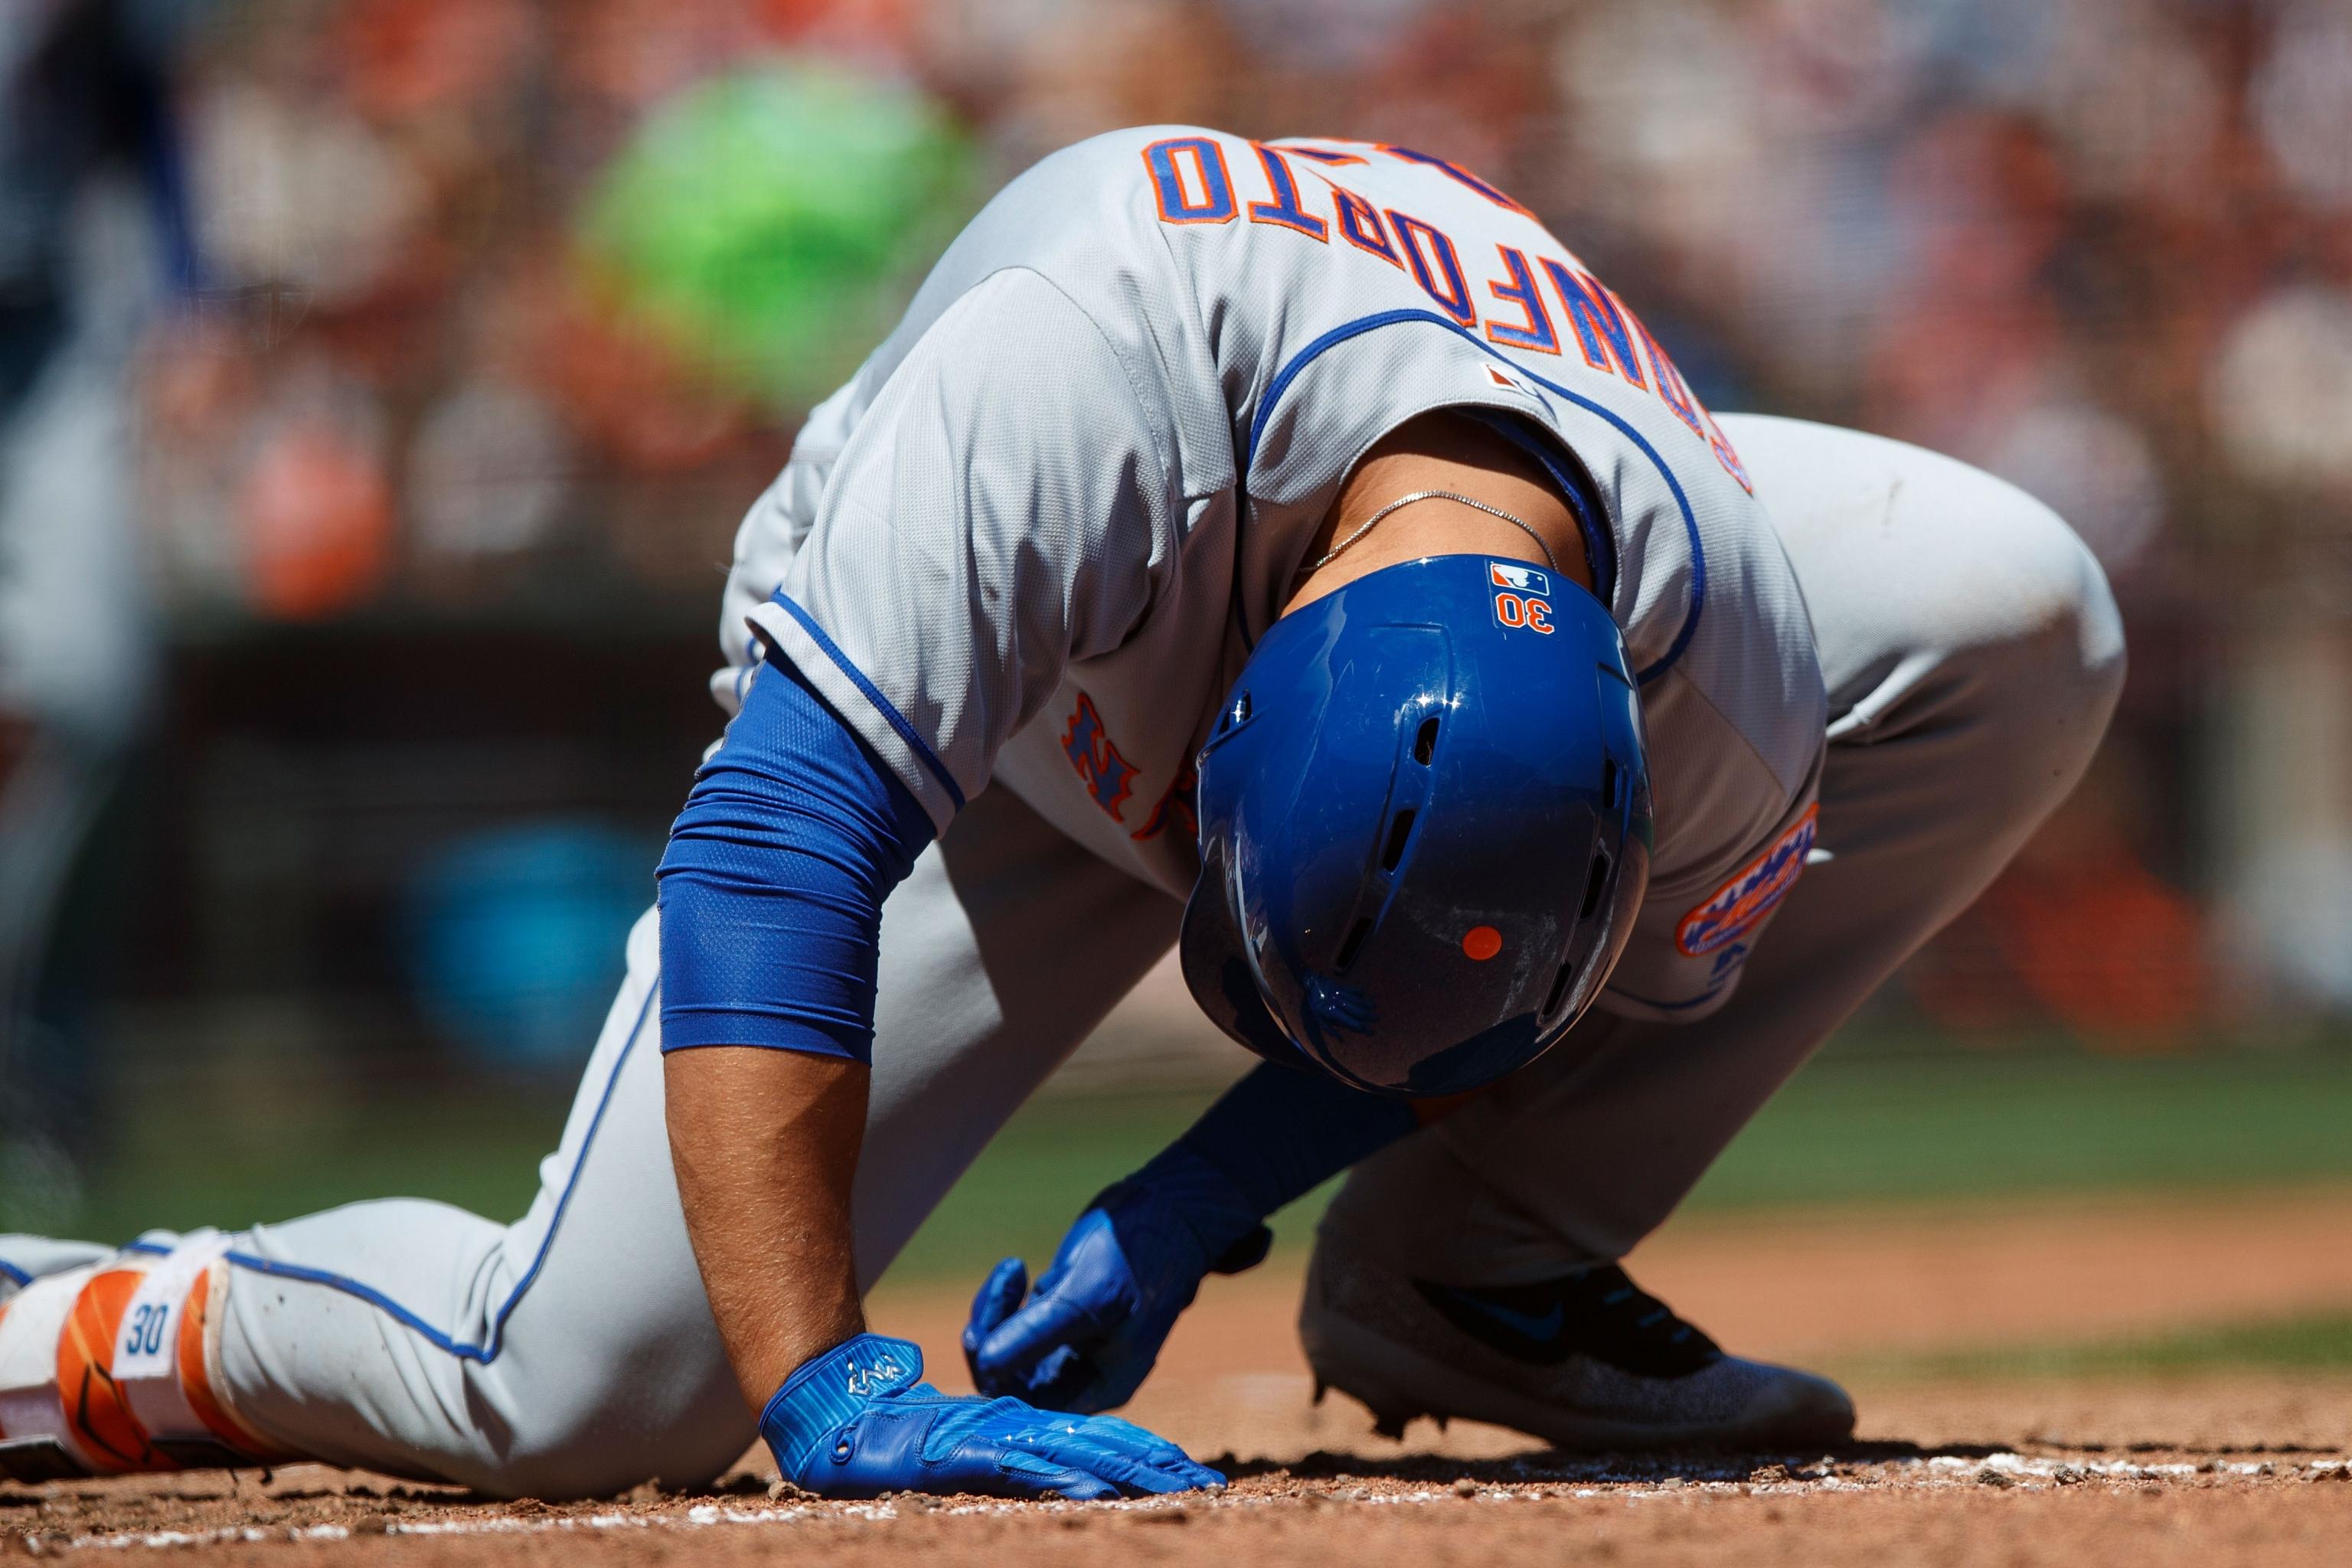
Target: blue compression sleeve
(772,890)
(1279,1133)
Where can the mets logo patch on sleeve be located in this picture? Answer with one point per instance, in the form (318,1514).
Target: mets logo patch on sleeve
(1751,893)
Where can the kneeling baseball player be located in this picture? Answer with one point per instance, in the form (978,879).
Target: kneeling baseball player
(1291,553)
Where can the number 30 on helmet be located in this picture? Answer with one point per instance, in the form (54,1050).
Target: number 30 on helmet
(1425,827)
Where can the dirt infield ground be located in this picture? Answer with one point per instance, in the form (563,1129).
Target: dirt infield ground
(2217,1467)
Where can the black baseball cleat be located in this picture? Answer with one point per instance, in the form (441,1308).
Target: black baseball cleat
(1585,1361)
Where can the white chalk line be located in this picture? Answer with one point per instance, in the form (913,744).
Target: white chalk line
(1941,1469)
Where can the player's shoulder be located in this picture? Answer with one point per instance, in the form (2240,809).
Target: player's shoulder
(1127,148)
(1113,171)
(1082,217)
(1074,224)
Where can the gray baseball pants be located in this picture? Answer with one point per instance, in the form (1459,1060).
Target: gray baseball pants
(1972,656)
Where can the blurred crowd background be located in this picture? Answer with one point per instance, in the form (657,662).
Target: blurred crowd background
(380,382)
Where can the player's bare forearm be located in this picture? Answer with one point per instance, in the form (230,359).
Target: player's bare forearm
(765,1145)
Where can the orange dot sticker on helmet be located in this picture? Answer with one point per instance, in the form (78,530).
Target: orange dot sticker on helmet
(1482,942)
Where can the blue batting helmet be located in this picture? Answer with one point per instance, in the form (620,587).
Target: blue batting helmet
(1425,827)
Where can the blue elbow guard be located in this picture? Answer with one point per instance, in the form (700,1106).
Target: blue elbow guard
(772,890)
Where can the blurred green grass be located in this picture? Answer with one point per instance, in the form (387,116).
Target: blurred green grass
(2316,1343)
(1850,1129)
(1847,1130)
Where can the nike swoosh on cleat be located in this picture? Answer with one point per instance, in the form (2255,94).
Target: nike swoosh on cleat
(1546,1327)
(1522,1335)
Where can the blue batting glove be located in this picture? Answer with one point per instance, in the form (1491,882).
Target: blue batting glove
(1125,1272)
(856,1423)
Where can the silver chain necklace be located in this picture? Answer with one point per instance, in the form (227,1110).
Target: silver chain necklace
(1472,502)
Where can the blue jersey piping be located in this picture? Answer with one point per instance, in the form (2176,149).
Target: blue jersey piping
(488,1352)
(1699,1001)
(873,693)
(1362,324)
(1573,488)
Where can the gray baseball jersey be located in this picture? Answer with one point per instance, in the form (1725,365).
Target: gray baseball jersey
(1031,543)
(1033,539)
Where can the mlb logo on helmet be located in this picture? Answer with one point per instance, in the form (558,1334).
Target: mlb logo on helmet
(1526,579)
(1520,597)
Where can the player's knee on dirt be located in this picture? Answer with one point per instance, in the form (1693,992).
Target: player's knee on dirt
(587,1411)
(570,1442)
(600,1378)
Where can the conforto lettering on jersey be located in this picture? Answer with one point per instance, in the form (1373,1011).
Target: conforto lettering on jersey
(1193,183)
